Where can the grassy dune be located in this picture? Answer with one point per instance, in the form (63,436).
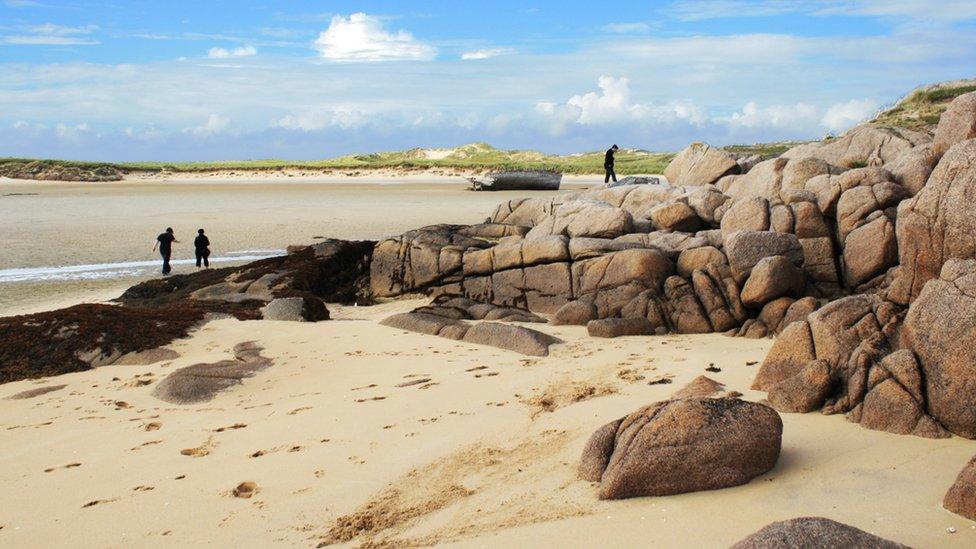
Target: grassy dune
(921,109)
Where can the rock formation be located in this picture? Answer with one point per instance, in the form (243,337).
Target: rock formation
(813,532)
(684,445)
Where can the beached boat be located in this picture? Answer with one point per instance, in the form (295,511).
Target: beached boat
(517,180)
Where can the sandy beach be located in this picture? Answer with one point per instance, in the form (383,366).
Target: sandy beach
(428,441)
(108,226)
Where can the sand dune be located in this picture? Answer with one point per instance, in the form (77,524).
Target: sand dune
(358,433)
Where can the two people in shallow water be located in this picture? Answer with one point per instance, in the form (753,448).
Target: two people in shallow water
(201,247)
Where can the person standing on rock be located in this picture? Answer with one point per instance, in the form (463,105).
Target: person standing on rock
(608,165)
(165,243)
(201,245)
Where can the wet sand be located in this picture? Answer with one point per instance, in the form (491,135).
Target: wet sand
(51,224)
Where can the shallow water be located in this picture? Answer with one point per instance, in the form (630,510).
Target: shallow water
(63,239)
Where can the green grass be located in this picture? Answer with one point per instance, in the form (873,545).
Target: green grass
(476,157)
(921,109)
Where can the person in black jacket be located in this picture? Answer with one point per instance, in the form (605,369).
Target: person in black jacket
(608,165)
(165,242)
(201,245)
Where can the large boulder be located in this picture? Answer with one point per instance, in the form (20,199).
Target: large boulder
(746,248)
(585,217)
(772,277)
(675,215)
(961,497)
(693,259)
(679,446)
(296,309)
(869,251)
(940,328)
(812,532)
(618,327)
(957,124)
(937,224)
(513,338)
(803,392)
(912,169)
(699,164)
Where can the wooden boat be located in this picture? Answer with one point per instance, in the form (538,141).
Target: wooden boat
(517,180)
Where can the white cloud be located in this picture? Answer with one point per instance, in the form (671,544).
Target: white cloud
(613,106)
(626,28)
(215,124)
(342,116)
(50,34)
(841,116)
(223,53)
(778,116)
(362,37)
(486,53)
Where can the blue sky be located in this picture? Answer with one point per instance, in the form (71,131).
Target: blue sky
(147,80)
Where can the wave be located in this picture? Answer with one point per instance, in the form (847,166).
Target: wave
(125,269)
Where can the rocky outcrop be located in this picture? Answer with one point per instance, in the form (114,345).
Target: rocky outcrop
(845,358)
(812,532)
(961,497)
(700,164)
(679,446)
(864,145)
(937,224)
(957,124)
(335,271)
(940,329)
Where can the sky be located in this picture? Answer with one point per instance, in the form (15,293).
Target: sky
(217,80)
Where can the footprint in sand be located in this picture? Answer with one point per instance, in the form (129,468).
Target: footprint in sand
(486,374)
(245,489)
(68,466)
(152,426)
(230,427)
(476,368)
(371,398)
(200,451)
(297,410)
(98,502)
(143,488)
(418,381)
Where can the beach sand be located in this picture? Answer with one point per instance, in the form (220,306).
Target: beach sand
(424,440)
(57,224)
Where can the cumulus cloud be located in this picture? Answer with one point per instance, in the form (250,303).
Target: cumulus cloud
(214,125)
(844,115)
(486,53)
(613,104)
(779,116)
(223,53)
(50,34)
(362,37)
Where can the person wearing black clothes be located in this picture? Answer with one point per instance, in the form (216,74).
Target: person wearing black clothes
(165,242)
(608,164)
(201,245)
